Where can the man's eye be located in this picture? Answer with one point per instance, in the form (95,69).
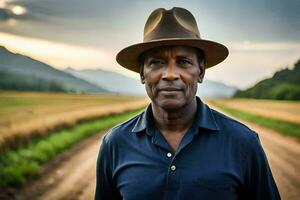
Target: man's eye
(185,62)
(156,62)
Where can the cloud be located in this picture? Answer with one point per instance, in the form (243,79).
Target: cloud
(249,62)
(55,53)
(264,46)
(62,55)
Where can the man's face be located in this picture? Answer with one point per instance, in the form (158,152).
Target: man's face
(170,75)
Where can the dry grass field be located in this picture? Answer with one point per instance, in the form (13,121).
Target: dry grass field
(282,110)
(27,114)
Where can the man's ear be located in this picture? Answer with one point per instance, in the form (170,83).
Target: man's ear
(142,77)
(201,72)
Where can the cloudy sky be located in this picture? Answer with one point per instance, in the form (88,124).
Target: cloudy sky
(262,35)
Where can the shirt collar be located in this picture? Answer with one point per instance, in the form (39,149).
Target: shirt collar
(204,119)
(144,121)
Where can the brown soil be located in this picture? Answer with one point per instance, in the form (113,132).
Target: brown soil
(71,176)
(283,153)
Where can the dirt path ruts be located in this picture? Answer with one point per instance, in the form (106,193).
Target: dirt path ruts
(76,174)
(70,176)
(283,153)
(73,176)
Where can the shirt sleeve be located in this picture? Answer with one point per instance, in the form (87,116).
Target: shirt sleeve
(105,189)
(260,184)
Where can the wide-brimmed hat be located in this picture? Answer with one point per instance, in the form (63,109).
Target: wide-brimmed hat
(167,28)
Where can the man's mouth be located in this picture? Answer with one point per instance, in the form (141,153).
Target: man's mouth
(169,89)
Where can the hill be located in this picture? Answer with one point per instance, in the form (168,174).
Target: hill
(122,84)
(19,72)
(112,81)
(284,85)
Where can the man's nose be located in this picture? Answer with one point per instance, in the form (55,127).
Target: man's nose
(170,72)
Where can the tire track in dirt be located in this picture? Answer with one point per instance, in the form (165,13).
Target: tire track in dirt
(77,173)
(283,154)
(70,176)
(287,188)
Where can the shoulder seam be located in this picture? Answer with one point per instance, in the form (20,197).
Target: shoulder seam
(127,121)
(231,119)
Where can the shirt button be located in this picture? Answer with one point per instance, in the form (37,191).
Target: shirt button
(173,167)
(169,155)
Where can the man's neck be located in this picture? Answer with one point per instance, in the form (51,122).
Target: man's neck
(177,121)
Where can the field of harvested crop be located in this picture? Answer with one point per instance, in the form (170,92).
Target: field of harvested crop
(23,114)
(282,110)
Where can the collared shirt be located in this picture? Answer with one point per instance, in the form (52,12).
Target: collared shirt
(218,158)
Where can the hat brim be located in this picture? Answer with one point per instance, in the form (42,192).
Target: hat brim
(214,52)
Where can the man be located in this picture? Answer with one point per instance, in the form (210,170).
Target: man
(179,148)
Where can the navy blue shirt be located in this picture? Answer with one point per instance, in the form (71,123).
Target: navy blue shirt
(218,158)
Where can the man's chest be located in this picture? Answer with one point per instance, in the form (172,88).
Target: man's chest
(195,172)
(173,140)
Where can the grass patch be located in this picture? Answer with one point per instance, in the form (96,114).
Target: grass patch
(19,164)
(281,126)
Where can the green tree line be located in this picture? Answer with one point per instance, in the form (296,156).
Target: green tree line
(10,81)
(284,85)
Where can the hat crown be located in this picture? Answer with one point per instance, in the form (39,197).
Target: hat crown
(174,23)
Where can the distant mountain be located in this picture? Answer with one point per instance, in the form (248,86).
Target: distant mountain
(122,84)
(215,89)
(20,72)
(283,85)
(112,81)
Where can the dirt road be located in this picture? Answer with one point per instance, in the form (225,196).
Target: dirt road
(284,158)
(72,175)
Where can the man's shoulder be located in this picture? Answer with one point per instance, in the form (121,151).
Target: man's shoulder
(122,130)
(234,128)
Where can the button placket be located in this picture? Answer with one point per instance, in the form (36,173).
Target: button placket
(172,167)
(172,174)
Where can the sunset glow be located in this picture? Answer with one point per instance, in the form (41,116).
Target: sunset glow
(57,54)
(18,10)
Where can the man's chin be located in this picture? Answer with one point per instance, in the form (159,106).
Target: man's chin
(170,104)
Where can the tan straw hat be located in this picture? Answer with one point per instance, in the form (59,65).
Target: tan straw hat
(171,27)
